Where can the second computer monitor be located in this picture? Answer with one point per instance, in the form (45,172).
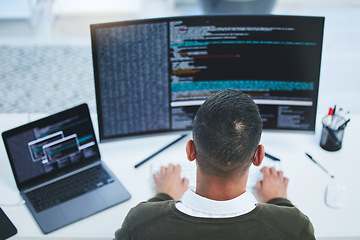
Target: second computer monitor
(152,75)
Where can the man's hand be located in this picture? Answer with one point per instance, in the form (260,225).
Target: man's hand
(273,185)
(169,181)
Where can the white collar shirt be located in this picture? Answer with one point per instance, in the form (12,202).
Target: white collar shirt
(197,206)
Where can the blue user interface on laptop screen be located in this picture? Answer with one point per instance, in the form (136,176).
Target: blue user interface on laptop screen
(52,144)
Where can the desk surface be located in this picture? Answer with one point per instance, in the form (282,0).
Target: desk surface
(306,187)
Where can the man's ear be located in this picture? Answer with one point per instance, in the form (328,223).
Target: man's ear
(190,150)
(259,155)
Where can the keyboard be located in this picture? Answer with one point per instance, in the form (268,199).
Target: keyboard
(70,187)
(188,170)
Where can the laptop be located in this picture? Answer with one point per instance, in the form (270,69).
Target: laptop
(58,170)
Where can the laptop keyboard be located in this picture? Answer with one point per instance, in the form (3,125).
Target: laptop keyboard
(68,188)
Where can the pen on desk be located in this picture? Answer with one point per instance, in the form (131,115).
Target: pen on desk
(272,157)
(311,158)
(159,151)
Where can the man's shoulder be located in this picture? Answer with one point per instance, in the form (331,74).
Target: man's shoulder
(279,207)
(286,217)
(161,206)
(150,211)
(140,216)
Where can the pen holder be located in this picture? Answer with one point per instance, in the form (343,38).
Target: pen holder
(332,134)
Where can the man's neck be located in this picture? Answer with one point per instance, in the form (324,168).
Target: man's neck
(220,188)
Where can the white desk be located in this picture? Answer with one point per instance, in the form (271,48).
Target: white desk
(306,188)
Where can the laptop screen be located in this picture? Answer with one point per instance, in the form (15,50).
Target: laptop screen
(51,145)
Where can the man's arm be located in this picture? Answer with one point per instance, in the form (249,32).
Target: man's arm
(168,182)
(273,190)
(169,186)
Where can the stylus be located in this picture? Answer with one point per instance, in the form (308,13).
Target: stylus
(272,157)
(162,149)
(311,158)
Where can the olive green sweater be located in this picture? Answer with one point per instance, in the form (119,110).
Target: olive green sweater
(158,218)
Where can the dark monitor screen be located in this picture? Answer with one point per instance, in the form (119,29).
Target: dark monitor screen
(152,75)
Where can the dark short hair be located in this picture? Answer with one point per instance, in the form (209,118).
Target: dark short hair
(227,130)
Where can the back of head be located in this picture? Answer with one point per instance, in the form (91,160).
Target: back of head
(227,130)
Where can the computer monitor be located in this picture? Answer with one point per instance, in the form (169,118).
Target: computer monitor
(152,75)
